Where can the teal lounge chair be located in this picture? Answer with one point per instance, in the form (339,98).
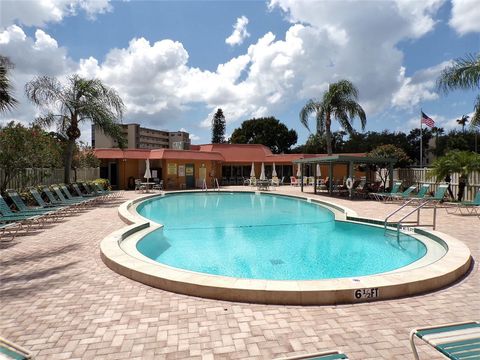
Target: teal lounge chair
(38,198)
(422,192)
(466,207)
(24,221)
(404,195)
(455,341)
(8,231)
(439,194)
(53,200)
(104,192)
(327,355)
(385,195)
(9,350)
(80,193)
(24,209)
(77,202)
(69,196)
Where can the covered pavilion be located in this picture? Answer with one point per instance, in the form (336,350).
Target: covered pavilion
(346,160)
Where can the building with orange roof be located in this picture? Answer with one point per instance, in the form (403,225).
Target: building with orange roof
(231,164)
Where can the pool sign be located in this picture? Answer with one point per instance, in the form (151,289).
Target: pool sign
(366,294)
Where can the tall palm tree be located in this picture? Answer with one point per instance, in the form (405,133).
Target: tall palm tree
(437,131)
(339,102)
(463,121)
(464,74)
(67,105)
(7,101)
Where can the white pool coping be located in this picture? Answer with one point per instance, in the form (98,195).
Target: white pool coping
(433,271)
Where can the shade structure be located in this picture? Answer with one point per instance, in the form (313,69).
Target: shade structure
(274,172)
(148,174)
(252,172)
(299,171)
(319,171)
(262,172)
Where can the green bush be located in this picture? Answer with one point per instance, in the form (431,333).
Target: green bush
(104,183)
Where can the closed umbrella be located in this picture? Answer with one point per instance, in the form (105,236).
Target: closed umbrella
(299,171)
(319,172)
(148,174)
(274,172)
(262,172)
(252,172)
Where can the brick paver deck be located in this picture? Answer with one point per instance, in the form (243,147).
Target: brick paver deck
(60,301)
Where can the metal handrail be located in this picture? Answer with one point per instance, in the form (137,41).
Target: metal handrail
(416,209)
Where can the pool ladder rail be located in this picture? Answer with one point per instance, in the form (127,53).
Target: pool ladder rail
(400,224)
(215,185)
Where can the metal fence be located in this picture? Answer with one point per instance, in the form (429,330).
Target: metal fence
(38,176)
(414,176)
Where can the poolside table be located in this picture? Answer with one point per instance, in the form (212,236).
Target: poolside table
(263,184)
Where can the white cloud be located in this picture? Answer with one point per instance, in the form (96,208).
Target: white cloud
(239,33)
(418,88)
(39,13)
(465,16)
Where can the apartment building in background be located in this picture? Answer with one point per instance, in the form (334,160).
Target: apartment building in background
(142,138)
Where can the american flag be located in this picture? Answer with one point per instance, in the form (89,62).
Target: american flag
(427,120)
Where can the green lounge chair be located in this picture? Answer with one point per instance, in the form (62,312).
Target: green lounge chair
(8,216)
(79,192)
(9,350)
(105,192)
(439,194)
(38,198)
(76,202)
(421,193)
(23,208)
(404,195)
(466,207)
(455,340)
(385,195)
(327,355)
(68,194)
(53,200)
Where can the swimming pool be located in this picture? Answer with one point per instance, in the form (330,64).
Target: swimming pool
(298,230)
(263,236)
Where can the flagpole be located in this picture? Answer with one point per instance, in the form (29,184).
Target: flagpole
(421,140)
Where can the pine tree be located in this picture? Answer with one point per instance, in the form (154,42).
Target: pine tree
(218,127)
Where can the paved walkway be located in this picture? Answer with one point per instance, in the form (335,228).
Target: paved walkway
(60,301)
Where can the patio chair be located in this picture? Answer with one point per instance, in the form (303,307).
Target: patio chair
(63,199)
(454,340)
(466,207)
(9,350)
(68,194)
(439,194)
(158,185)
(105,192)
(23,208)
(386,195)
(404,195)
(38,198)
(326,355)
(74,205)
(80,193)
(8,231)
(293,181)
(421,193)
(8,216)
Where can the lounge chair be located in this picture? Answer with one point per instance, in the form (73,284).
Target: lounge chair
(404,195)
(24,209)
(454,340)
(8,231)
(388,195)
(8,216)
(106,192)
(38,198)
(80,193)
(422,192)
(439,194)
(73,205)
(466,207)
(327,355)
(10,350)
(63,199)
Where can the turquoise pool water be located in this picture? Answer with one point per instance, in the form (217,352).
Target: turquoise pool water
(267,237)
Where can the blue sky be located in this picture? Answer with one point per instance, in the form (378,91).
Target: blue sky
(175,63)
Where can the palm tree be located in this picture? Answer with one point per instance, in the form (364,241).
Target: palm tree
(340,102)
(7,102)
(74,102)
(464,73)
(463,121)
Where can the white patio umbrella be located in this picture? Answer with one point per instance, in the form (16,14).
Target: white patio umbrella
(262,173)
(252,172)
(148,174)
(299,171)
(319,171)
(274,172)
